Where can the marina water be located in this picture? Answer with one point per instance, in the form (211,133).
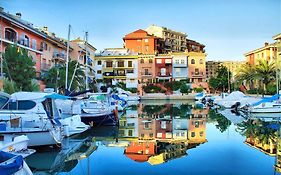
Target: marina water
(166,137)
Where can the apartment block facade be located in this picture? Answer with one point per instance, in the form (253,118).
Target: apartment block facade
(117,65)
(140,41)
(267,52)
(180,66)
(174,41)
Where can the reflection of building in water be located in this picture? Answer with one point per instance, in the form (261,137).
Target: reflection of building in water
(163,128)
(128,127)
(197,126)
(147,127)
(278,155)
(180,128)
(155,152)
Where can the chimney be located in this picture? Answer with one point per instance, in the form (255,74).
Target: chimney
(265,44)
(45,28)
(1,9)
(18,15)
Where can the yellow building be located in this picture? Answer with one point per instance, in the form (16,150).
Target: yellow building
(117,65)
(267,52)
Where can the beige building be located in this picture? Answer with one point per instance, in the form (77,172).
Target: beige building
(173,41)
(79,54)
(213,66)
(267,52)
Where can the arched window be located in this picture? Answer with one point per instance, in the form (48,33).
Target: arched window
(10,34)
(201,61)
(24,40)
(150,60)
(142,61)
(192,61)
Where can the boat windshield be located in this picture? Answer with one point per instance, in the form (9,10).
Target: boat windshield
(98,97)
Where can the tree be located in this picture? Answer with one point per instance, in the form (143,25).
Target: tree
(265,71)
(221,80)
(247,72)
(19,67)
(55,77)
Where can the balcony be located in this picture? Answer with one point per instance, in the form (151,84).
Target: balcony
(161,74)
(45,66)
(146,74)
(59,56)
(197,74)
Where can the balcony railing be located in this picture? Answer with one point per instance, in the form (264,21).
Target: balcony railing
(57,55)
(197,74)
(146,74)
(167,74)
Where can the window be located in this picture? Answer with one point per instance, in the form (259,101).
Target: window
(99,62)
(43,46)
(146,48)
(130,71)
(34,45)
(182,61)
(109,64)
(201,133)
(159,61)
(20,105)
(196,71)
(192,61)
(177,61)
(151,135)
(142,61)
(201,61)
(10,34)
(120,64)
(130,133)
(150,61)
(146,40)
(130,64)
(193,134)
(146,72)
(99,72)
(146,125)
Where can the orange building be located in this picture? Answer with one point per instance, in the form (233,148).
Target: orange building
(141,151)
(140,41)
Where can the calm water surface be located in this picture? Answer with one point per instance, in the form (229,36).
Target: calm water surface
(160,137)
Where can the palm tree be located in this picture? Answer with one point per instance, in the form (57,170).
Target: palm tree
(247,73)
(55,77)
(265,71)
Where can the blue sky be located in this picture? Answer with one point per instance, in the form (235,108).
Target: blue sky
(228,28)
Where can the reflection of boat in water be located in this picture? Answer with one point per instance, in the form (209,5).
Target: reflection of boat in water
(63,160)
(156,152)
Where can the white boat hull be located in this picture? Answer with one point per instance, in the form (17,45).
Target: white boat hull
(38,138)
(266,110)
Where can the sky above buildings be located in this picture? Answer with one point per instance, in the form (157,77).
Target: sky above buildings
(228,28)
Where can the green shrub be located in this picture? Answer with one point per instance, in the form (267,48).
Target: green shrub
(184,89)
(174,85)
(199,90)
(133,90)
(151,89)
(271,89)
(255,91)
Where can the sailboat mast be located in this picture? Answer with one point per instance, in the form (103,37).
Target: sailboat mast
(67,57)
(86,70)
(1,53)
